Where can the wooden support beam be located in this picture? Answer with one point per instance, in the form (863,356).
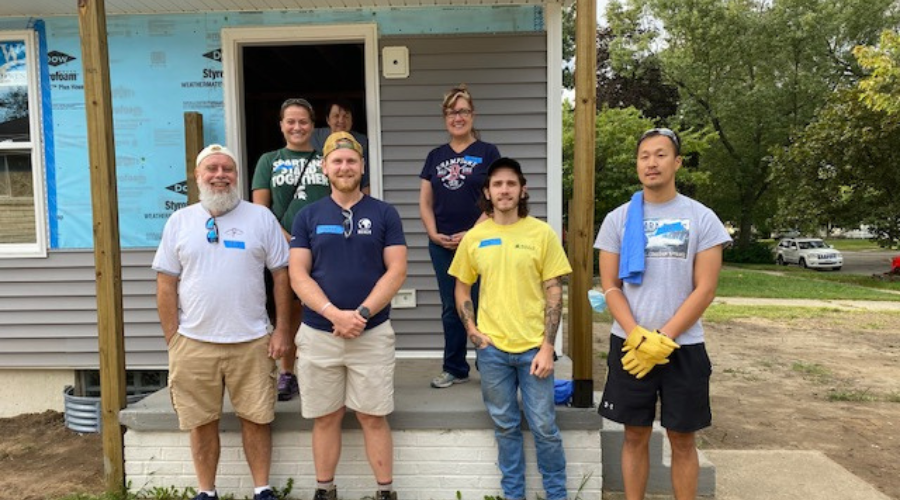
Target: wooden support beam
(581,212)
(107,257)
(193,144)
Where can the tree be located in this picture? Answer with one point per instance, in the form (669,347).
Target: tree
(842,170)
(14,104)
(753,71)
(880,90)
(639,85)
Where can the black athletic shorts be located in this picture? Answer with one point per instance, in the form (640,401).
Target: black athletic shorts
(682,387)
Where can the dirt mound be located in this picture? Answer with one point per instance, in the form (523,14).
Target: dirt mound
(40,458)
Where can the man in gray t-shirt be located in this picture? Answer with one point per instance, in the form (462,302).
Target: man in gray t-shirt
(660,256)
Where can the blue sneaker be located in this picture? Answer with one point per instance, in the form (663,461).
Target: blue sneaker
(204,496)
(265,495)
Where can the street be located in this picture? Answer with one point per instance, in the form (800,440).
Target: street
(868,262)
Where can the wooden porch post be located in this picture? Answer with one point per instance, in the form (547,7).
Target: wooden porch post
(107,257)
(581,213)
(193,144)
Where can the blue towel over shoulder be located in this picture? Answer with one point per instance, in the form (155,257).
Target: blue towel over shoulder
(634,241)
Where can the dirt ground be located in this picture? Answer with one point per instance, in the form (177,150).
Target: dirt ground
(828,384)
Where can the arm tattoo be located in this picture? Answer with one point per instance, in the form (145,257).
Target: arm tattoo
(466,314)
(552,308)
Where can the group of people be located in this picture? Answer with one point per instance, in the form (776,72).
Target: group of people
(335,256)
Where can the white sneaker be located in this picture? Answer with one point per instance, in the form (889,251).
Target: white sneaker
(445,380)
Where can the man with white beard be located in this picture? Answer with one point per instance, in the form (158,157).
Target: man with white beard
(212,309)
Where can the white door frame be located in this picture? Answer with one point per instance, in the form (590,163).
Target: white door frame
(233,39)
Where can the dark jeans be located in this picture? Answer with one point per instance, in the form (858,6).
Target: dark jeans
(455,338)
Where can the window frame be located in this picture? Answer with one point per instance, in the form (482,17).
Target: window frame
(34,146)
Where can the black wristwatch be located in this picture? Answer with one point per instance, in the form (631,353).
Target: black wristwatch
(364,312)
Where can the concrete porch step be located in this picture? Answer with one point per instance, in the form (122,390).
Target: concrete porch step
(444,446)
(613,436)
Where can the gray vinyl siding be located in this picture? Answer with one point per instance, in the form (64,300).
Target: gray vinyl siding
(48,306)
(48,311)
(507,76)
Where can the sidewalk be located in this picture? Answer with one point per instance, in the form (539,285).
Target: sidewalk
(849,305)
(780,475)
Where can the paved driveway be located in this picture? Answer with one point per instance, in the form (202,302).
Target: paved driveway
(869,262)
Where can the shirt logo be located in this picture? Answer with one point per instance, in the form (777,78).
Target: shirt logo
(667,238)
(522,246)
(454,172)
(364,226)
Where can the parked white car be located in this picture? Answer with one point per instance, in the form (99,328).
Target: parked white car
(808,252)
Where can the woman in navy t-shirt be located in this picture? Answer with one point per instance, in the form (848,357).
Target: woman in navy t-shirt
(452,179)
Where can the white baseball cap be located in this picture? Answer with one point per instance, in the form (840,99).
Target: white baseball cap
(215,149)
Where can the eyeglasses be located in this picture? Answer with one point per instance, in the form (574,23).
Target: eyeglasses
(212,230)
(348,222)
(465,113)
(666,132)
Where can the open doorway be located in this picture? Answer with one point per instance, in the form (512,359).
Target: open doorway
(319,73)
(263,66)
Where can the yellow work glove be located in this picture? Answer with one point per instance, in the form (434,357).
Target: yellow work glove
(639,364)
(644,350)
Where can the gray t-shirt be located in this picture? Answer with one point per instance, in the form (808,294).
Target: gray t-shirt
(676,231)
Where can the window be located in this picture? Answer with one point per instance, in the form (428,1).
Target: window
(23,219)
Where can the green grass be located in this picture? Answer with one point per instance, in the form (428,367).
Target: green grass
(853,245)
(852,395)
(811,370)
(747,282)
(798,272)
(722,312)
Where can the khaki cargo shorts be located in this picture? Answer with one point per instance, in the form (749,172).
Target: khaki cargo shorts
(199,372)
(335,372)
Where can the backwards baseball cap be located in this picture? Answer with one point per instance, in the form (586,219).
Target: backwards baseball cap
(341,140)
(505,162)
(215,149)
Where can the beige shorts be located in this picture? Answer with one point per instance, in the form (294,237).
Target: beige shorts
(199,372)
(335,372)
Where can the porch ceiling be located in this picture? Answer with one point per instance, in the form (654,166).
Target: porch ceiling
(50,8)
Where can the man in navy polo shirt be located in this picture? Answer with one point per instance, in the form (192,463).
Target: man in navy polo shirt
(348,259)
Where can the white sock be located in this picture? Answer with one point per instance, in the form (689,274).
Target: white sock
(260,489)
(211,493)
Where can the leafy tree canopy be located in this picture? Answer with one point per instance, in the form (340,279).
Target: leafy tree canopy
(751,71)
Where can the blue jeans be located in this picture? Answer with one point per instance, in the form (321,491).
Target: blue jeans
(455,339)
(502,375)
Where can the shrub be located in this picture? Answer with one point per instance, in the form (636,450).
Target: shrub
(755,253)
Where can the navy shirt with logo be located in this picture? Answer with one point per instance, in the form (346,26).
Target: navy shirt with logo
(456,182)
(348,256)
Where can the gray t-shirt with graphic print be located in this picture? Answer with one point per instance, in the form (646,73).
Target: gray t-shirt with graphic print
(676,231)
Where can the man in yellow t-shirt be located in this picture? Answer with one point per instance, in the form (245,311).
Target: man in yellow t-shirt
(521,262)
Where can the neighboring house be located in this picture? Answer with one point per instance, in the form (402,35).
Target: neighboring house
(234,61)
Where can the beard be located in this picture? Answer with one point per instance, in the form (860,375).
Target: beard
(218,202)
(346,185)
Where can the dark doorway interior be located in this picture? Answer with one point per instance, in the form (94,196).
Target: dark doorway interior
(318,73)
